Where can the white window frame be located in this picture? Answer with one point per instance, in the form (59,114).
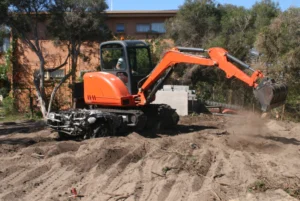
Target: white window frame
(140,30)
(159,29)
(151,27)
(5,43)
(57,74)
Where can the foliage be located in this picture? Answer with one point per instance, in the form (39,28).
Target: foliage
(158,46)
(202,23)
(78,20)
(263,12)
(26,18)
(8,106)
(3,11)
(205,24)
(75,21)
(236,31)
(4,68)
(139,60)
(258,186)
(71,20)
(197,22)
(5,88)
(280,51)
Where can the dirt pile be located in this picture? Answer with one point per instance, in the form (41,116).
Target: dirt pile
(205,158)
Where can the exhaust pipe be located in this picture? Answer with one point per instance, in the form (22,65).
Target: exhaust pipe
(270,94)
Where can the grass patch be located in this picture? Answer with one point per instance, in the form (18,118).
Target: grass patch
(262,185)
(14,117)
(17,117)
(165,170)
(258,186)
(293,191)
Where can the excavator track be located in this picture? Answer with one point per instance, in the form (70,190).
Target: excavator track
(98,122)
(160,116)
(82,123)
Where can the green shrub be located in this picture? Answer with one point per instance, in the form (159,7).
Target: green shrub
(4,92)
(8,105)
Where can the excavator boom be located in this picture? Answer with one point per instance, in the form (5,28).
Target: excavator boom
(267,92)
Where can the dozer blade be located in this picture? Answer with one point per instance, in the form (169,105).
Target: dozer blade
(270,95)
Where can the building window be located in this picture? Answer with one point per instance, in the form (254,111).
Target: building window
(112,57)
(120,28)
(5,39)
(60,73)
(142,28)
(157,27)
(5,44)
(57,74)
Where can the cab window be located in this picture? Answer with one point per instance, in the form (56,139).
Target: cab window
(139,60)
(112,57)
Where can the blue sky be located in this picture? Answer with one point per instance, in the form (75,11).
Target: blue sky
(174,4)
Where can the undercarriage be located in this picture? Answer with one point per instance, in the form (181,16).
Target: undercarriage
(98,122)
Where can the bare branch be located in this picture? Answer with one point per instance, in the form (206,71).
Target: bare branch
(58,67)
(28,42)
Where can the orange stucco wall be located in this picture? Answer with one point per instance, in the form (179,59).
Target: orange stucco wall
(28,62)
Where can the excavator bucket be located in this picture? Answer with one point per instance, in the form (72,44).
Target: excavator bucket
(270,95)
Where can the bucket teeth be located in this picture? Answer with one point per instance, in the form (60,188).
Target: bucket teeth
(270,95)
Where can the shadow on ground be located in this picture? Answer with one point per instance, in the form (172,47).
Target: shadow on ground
(18,141)
(178,130)
(283,140)
(23,127)
(154,133)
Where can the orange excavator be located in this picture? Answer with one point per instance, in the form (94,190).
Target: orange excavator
(120,95)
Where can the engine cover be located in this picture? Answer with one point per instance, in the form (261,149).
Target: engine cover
(105,89)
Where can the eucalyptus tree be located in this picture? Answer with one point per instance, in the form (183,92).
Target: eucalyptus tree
(77,21)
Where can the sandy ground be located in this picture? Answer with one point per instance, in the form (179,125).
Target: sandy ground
(206,158)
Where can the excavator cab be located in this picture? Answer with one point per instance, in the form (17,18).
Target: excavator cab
(128,60)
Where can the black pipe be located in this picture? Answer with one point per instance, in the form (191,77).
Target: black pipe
(159,84)
(232,58)
(190,49)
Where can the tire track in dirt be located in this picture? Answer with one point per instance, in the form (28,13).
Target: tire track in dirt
(14,172)
(199,165)
(48,180)
(25,183)
(33,174)
(115,182)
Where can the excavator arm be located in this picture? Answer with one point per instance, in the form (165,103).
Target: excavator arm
(267,92)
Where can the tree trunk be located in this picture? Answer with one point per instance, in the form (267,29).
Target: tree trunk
(75,51)
(55,90)
(39,82)
(40,98)
(42,77)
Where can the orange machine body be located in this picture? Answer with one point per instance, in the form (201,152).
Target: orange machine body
(101,88)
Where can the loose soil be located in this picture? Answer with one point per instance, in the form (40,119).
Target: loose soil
(233,158)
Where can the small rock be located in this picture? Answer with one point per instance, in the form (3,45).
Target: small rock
(219,132)
(193,146)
